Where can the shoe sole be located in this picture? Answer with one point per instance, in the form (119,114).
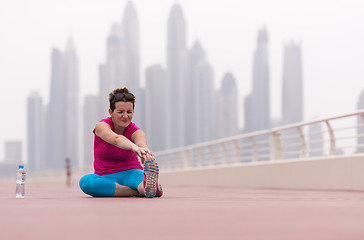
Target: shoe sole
(151,172)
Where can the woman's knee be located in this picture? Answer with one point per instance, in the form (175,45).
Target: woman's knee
(87,183)
(94,185)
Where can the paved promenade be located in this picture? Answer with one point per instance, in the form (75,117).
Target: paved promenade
(54,211)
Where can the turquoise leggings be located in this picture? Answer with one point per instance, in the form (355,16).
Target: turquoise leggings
(104,186)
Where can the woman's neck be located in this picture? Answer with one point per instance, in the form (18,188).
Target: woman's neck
(118,130)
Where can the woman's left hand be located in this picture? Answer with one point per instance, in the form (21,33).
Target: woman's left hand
(148,157)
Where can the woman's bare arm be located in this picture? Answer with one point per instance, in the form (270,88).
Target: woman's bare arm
(103,130)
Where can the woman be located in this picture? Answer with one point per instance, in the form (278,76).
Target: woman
(117,145)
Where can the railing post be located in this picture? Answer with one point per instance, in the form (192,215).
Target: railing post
(188,161)
(225,153)
(332,138)
(163,163)
(199,162)
(237,151)
(255,149)
(275,146)
(212,156)
(303,142)
(167,162)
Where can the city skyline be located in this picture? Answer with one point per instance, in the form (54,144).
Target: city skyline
(241,81)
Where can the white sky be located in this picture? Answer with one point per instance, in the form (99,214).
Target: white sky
(331,33)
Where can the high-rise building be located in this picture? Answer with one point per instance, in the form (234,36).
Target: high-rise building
(292,85)
(90,118)
(35,144)
(122,65)
(112,73)
(176,76)
(360,140)
(139,117)
(156,107)
(130,28)
(248,113)
(63,109)
(228,106)
(260,96)
(13,152)
(199,98)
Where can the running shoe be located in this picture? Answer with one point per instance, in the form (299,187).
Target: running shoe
(159,192)
(151,172)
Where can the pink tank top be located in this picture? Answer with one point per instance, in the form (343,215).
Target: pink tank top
(111,159)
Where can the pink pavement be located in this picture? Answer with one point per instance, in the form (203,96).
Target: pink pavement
(53,211)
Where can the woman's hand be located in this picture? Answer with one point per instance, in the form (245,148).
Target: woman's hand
(148,157)
(141,152)
(144,154)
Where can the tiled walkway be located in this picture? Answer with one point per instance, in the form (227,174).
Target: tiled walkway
(53,211)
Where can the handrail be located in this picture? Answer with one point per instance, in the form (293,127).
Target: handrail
(293,141)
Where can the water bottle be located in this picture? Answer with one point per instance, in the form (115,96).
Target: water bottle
(20,182)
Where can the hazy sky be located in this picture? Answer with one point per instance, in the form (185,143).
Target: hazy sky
(331,33)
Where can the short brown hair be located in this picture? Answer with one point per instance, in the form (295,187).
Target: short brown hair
(121,95)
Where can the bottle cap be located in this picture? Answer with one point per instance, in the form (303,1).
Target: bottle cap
(21,166)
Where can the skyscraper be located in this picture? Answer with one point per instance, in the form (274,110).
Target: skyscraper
(176,75)
(35,148)
(200,95)
(122,66)
(292,85)
(63,108)
(260,96)
(248,113)
(156,107)
(130,33)
(90,118)
(112,73)
(139,117)
(228,106)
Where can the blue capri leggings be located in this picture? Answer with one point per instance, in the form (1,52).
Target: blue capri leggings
(104,186)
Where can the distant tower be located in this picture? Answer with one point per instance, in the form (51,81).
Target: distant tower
(130,28)
(200,96)
(90,118)
(156,107)
(131,42)
(260,96)
(176,75)
(139,117)
(63,109)
(292,85)
(360,140)
(122,65)
(228,106)
(112,73)
(35,132)
(248,113)
(72,101)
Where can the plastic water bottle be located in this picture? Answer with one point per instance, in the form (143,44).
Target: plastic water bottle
(20,182)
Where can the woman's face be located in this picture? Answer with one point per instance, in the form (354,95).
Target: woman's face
(122,114)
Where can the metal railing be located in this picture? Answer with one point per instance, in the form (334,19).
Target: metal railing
(339,135)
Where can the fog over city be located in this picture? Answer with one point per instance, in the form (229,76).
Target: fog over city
(329,33)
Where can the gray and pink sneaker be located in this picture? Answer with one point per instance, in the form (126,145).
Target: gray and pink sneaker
(159,190)
(151,172)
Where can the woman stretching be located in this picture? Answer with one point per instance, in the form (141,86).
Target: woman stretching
(117,145)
